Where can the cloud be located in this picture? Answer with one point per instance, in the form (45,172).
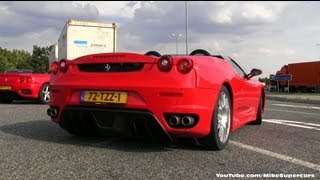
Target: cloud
(264,34)
(123,9)
(225,17)
(259,12)
(20,17)
(26,40)
(289,52)
(236,55)
(266,51)
(160,19)
(216,45)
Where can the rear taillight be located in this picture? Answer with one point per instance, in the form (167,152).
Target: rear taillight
(21,79)
(29,80)
(184,65)
(63,65)
(54,67)
(165,63)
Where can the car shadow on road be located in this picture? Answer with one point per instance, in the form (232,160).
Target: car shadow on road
(22,102)
(45,130)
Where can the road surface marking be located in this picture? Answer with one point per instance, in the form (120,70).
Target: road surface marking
(314,114)
(294,123)
(298,122)
(290,105)
(278,156)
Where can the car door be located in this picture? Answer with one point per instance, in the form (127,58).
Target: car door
(244,95)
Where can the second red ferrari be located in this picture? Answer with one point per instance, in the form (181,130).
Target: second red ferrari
(18,84)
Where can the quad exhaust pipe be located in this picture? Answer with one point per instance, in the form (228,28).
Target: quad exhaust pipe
(174,120)
(181,121)
(187,121)
(52,112)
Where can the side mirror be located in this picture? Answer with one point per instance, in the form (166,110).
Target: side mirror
(254,72)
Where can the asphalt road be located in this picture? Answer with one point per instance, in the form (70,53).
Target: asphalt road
(33,147)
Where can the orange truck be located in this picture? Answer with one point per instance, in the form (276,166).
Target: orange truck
(305,77)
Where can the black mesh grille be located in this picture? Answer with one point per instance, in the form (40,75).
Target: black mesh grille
(111,67)
(111,121)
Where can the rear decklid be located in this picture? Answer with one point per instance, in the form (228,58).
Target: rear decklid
(113,62)
(114,57)
(9,78)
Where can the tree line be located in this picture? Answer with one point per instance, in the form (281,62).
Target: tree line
(265,80)
(38,60)
(20,59)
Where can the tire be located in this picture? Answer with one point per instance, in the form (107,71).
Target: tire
(200,52)
(44,94)
(258,121)
(153,53)
(218,138)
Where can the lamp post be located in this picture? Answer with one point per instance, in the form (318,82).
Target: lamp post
(317,88)
(186,8)
(176,36)
(317,44)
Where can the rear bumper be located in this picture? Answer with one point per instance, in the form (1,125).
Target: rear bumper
(20,91)
(155,100)
(122,122)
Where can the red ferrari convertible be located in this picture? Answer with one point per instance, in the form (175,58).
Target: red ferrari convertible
(17,84)
(198,96)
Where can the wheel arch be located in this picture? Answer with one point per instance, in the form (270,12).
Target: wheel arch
(263,95)
(41,87)
(40,92)
(47,82)
(228,86)
(211,140)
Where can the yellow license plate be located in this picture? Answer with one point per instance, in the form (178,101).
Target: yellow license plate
(5,87)
(104,96)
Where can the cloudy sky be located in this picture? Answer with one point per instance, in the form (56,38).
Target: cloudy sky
(263,35)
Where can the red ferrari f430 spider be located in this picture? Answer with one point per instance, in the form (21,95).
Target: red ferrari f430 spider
(198,96)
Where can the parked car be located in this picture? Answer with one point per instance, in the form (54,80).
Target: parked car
(17,84)
(199,96)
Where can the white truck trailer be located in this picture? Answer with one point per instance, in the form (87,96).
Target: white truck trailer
(82,37)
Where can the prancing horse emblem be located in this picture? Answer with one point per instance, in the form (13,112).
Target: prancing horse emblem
(107,67)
